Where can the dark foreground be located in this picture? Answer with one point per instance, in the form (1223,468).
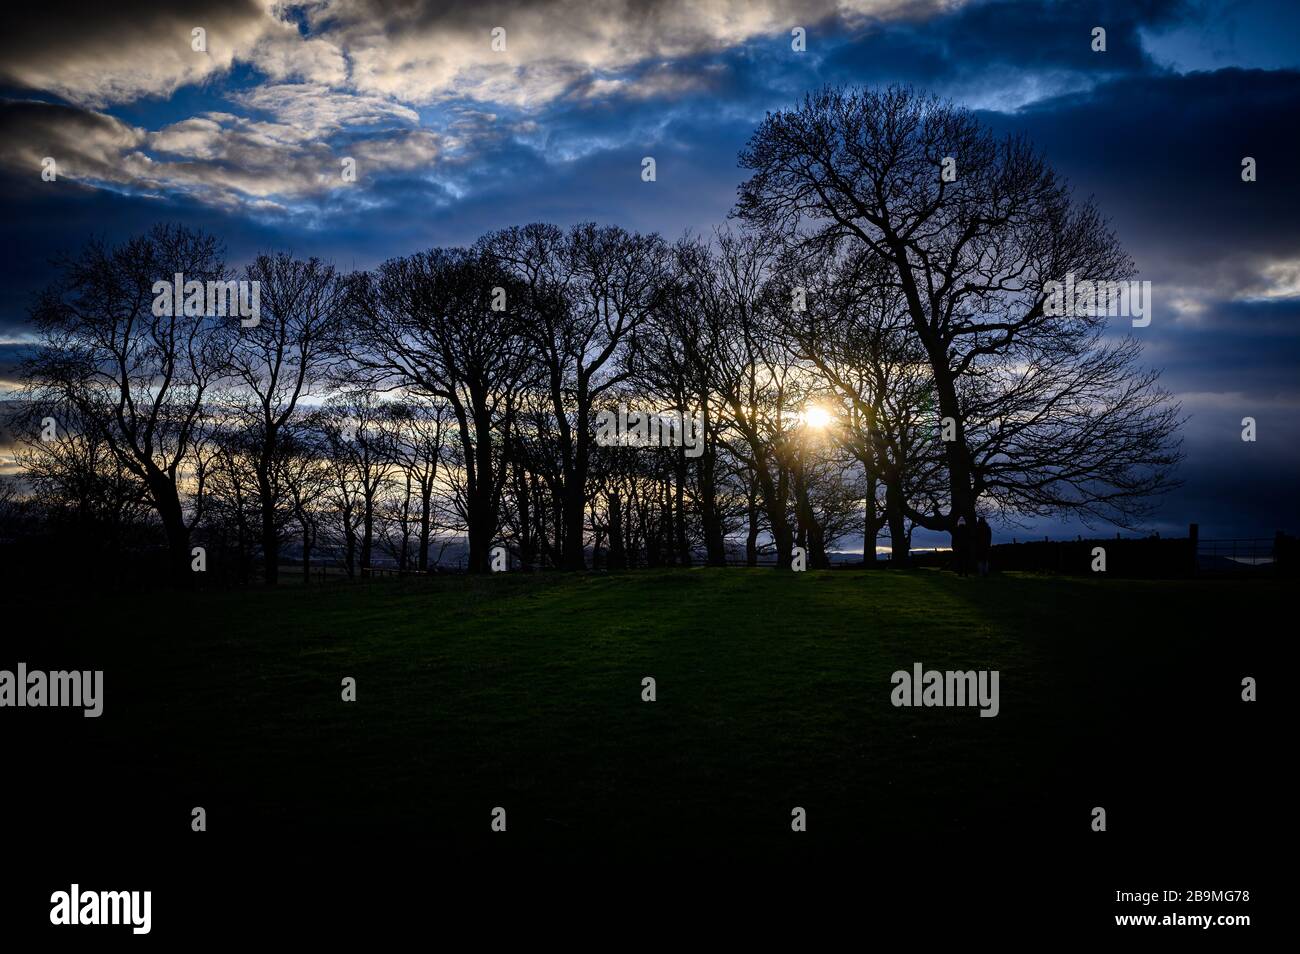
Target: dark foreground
(773,692)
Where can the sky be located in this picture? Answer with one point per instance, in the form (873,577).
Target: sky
(449,137)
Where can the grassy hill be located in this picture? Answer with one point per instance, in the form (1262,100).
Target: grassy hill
(773,692)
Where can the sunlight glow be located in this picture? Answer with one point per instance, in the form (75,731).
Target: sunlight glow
(817,417)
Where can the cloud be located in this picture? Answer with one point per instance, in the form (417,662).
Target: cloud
(1162,155)
(84,145)
(418,53)
(317,110)
(220,158)
(1007,53)
(282,53)
(95,53)
(425,52)
(395,84)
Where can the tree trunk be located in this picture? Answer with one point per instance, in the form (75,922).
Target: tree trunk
(669,524)
(751,538)
(480,512)
(426,510)
(683,543)
(960,486)
(367,534)
(349,543)
(306,552)
(774,495)
(270,543)
(898,539)
(404,554)
(572,554)
(617,555)
(870,526)
(167,501)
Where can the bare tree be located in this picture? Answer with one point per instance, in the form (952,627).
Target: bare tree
(426,324)
(139,374)
(275,364)
(233,502)
(418,435)
(849,323)
(75,475)
(750,375)
(303,469)
(589,291)
(361,454)
(972,255)
(679,353)
(342,499)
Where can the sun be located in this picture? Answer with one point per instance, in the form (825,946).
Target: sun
(817,417)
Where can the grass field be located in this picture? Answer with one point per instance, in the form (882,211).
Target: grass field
(773,691)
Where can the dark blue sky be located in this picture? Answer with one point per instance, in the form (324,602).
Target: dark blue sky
(452,138)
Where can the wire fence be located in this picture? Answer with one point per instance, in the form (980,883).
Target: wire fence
(1243,553)
(1131,556)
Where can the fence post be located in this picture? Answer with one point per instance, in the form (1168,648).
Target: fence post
(1193,538)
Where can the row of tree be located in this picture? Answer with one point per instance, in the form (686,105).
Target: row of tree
(868,352)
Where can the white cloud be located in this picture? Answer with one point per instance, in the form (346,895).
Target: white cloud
(346,78)
(317,109)
(218,158)
(421,53)
(84,145)
(414,52)
(105,53)
(281,53)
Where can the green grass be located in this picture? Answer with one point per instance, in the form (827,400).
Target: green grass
(773,691)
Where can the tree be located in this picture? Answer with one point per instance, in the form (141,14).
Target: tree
(76,477)
(851,326)
(361,452)
(679,354)
(233,502)
(303,469)
(275,364)
(417,440)
(589,291)
(750,373)
(972,258)
(137,375)
(426,324)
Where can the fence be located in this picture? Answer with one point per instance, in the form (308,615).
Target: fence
(1155,557)
(1152,557)
(1241,555)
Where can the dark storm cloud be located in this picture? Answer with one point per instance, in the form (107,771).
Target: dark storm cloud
(1014,51)
(11,356)
(1165,154)
(1161,155)
(1162,158)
